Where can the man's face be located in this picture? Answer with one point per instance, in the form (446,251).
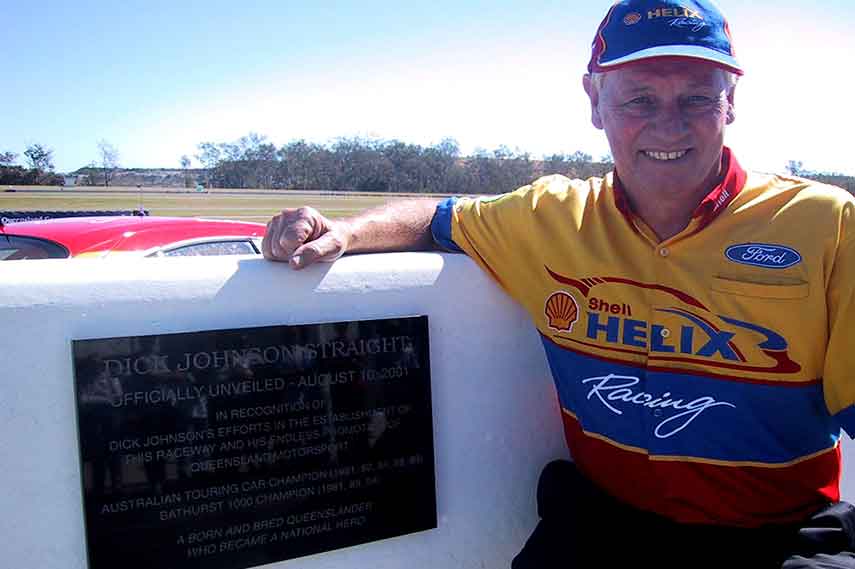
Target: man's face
(665,121)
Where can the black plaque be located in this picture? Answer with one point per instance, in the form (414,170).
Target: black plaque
(233,448)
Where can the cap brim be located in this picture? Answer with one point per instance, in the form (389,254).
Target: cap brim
(695,52)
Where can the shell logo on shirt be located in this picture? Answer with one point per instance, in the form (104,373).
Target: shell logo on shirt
(562,311)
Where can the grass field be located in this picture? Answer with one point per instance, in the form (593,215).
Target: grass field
(247,205)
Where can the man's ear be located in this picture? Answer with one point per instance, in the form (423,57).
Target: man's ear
(731,112)
(594,96)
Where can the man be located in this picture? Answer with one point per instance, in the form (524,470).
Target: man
(697,318)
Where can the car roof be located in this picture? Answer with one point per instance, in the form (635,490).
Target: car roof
(81,235)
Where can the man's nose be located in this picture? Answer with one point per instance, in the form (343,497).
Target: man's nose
(671,122)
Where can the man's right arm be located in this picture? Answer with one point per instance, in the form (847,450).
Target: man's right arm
(303,236)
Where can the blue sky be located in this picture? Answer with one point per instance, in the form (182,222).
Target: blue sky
(155,78)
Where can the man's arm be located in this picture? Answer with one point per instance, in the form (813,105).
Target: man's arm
(303,236)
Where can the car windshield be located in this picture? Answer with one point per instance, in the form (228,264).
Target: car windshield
(16,247)
(212,248)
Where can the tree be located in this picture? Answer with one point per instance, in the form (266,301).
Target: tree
(91,174)
(210,156)
(109,156)
(797,168)
(39,167)
(185,165)
(39,158)
(8,158)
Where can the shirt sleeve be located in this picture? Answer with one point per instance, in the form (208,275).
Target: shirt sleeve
(497,232)
(507,234)
(440,226)
(839,367)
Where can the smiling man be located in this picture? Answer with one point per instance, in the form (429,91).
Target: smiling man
(697,317)
(665,121)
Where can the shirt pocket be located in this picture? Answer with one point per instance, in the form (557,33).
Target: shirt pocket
(777,291)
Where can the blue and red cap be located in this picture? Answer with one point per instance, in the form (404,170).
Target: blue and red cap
(641,29)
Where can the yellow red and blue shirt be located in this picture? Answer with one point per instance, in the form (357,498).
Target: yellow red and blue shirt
(706,377)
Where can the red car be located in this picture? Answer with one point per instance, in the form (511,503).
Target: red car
(142,236)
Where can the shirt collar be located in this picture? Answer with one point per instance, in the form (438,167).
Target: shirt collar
(729,186)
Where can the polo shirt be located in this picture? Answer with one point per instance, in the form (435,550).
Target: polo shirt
(706,377)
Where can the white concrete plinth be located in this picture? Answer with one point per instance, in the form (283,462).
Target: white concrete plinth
(495,414)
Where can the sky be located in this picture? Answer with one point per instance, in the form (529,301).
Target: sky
(155,78)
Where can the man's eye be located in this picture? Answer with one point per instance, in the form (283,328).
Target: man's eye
(698,100)
(640,102)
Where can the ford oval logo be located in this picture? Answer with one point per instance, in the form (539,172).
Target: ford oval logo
(763,255)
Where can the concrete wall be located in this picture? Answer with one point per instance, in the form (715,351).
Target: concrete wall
(495,415)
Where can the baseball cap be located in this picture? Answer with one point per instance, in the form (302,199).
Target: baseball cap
(640,29)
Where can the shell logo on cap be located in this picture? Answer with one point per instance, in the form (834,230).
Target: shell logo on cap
(562,311)
(632,18)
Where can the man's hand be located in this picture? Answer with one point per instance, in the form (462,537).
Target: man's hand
(302,236)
